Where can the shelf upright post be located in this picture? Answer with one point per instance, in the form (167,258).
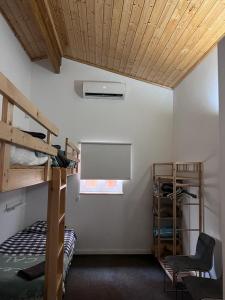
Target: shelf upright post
(174,208)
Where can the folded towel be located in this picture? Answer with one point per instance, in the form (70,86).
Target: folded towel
(32,272)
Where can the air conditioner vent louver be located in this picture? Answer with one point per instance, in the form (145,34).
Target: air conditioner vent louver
(103,89)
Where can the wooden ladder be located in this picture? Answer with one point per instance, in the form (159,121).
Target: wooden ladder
(55,235)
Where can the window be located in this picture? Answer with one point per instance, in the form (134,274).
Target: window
(101,187)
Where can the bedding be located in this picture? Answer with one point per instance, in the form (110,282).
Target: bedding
(14,287)
(23,250)
(21,156)
(32,242)
(24,157)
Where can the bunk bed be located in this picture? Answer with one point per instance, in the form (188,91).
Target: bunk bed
(13,177)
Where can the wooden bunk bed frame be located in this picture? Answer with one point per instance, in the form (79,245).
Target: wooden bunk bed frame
(15,177)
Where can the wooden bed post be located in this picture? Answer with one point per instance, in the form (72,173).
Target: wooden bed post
(48,164)
(55,235)
(7,117)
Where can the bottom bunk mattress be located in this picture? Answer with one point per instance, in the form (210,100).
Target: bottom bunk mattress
(23,250)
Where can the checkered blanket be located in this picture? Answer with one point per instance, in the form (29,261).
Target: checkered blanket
(31,242)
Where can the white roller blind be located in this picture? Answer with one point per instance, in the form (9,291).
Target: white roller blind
(105,161)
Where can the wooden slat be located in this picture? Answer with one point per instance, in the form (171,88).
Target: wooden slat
(158,33)
(72,145)
(16,28)
(14,136)
(107,24)
(150,40)
(42,14)
(137,9)
(7,118)
(91,29)
(116,16)
(178,13)
(59,21)
(52,245)
(124,23)
(71,29)
(187,34)
(31,27)
(20,178)
(55,235)
(72,151)
(48,164)
(14,95)
(191,36)
(77,24)
(184,22)
(99,11)
(82,11)
(152,24)
(142,26)
(211,35)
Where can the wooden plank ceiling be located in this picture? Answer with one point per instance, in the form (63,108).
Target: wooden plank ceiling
(158,41)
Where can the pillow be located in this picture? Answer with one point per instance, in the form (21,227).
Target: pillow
(37,227)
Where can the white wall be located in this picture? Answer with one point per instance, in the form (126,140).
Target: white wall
(110,224)
(14,64)
(196,135)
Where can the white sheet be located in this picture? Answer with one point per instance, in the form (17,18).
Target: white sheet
(21,156)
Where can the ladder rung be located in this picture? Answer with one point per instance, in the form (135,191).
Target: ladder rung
(61,249)
(61,218)
(62,187)
(59,281)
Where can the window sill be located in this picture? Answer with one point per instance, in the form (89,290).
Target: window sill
(99,193)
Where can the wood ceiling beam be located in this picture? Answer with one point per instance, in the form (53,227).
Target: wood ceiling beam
(44,20)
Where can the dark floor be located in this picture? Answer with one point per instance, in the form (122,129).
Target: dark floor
(116,277)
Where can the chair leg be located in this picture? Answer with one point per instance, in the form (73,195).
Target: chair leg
(164,282)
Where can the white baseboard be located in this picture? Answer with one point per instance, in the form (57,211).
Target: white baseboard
(112,251)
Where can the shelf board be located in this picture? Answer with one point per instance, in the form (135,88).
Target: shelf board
(167,218)
(166,239)
(162,177)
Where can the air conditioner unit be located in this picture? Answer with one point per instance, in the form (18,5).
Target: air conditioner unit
(104,89)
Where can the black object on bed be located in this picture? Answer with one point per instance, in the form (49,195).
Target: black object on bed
(32,272)
(35,134)
(61,160)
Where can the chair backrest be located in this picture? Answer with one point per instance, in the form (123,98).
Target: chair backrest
(204,250)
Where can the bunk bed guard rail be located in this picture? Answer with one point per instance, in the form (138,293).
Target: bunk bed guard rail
(11,135)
